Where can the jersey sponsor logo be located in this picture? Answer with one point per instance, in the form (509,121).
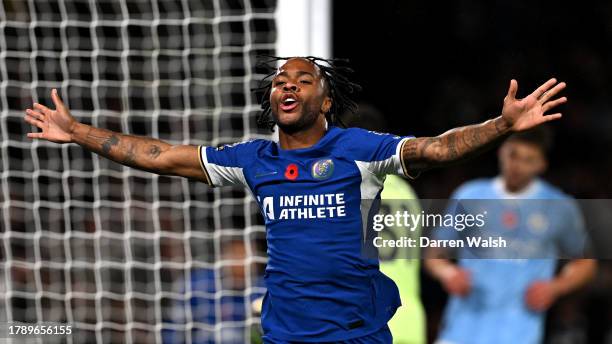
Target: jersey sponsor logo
(268,207)
(303,207)
(322,169)
(291,172)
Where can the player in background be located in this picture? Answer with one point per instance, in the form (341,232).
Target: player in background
(310,186)
(408,325)
(233,307)
(504,300)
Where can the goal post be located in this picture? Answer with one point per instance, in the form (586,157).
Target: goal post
(121,255)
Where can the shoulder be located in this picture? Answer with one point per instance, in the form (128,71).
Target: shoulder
(368,145)
(244,148)
(234,154)
(562,201)
(549,191)
(473,189)
(360,133)
(252,144)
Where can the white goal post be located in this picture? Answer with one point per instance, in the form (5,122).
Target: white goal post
(121,255)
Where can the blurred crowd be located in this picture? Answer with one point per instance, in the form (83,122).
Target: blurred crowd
(430,67)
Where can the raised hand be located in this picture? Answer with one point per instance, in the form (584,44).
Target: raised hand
(56,125)
(526,113)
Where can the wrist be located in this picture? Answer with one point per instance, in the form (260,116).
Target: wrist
(557,288)
(73,130)
(502,125)
(446,272)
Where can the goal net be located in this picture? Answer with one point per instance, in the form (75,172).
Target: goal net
(125,256)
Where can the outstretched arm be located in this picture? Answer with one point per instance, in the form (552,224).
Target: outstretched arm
(462,143)
(144,153)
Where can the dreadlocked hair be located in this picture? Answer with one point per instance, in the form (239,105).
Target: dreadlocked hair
(341,90)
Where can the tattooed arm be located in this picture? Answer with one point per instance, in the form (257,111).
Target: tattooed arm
(455,145)
(140,152)
(462,143)
(144,153)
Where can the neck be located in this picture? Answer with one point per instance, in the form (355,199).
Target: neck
(303,138)
(514,189)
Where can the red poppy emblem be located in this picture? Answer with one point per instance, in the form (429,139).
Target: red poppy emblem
(509,220)
(291,172)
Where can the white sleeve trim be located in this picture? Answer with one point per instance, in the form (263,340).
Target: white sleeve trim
(391,165)
(221,175)
(383,167)
(402,169)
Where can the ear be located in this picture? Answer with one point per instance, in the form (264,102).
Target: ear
(326,106)
(543,166)
(501,150)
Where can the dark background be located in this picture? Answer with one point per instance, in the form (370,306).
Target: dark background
(432,66)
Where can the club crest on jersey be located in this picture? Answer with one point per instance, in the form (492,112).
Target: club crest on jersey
(322,169)
(537,223)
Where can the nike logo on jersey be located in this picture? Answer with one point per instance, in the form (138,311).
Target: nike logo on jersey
(263,174)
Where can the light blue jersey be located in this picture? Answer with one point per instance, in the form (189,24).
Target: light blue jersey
(495,310)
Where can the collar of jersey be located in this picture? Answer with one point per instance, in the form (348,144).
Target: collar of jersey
(312,151)
(528,191)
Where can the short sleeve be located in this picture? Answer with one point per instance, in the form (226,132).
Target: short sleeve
(223,166)
(571,237)
(382,152)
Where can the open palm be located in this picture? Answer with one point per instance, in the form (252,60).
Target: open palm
(526,113)
(56,125)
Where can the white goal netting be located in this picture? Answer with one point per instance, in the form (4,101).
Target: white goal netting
(121,255)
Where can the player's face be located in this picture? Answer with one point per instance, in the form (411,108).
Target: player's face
(298,95)
(520,163)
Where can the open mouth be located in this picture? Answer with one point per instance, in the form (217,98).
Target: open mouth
(288,103)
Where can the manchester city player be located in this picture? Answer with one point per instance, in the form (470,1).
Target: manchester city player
(504,300)
(310,186)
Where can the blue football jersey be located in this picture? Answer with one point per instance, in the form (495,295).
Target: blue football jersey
(320,288)
(540,219)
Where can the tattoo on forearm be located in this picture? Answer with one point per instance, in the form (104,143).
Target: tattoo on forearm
(109,143)
(498,126)
(428,142)
(130,156)
(410,148)
(452,146)
(458,144)
(154,151)
(129,150)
